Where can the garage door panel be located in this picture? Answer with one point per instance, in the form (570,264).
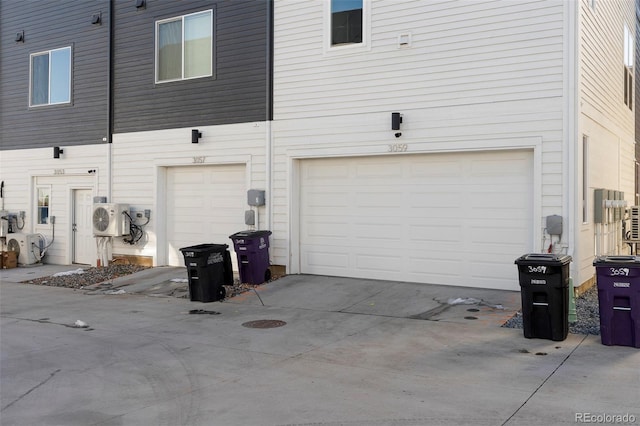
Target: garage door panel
(440,218)
(205,204)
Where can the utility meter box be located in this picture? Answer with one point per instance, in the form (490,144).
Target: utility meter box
(255,197)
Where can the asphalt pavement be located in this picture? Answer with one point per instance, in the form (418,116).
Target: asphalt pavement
(301,350)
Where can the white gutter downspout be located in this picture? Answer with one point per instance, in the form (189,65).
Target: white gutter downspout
(571,93)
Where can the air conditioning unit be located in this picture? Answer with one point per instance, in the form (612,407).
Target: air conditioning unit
(634,216)
(28,247)
(109,219)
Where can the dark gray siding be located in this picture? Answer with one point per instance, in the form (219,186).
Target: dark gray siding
(238,90)
(51,24)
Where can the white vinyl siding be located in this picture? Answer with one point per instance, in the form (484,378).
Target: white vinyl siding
(461,53)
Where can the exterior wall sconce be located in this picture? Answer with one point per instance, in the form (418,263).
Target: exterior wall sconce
(141,4)
(20,37)
(396,119)
(57,151)
(96,19)
(195,135)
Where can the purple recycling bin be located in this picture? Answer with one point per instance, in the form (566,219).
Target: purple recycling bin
(618,279)
(252,251)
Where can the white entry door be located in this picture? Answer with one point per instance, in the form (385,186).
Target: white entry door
(84,247)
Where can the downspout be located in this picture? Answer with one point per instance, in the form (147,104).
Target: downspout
(571,123)
(269,115)
(110,102)
(571,120)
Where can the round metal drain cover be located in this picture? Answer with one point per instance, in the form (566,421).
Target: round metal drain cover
(264,324)
(471,318)
(473,310)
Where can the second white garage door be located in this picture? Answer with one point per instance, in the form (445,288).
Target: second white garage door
(205,204)
(455,219)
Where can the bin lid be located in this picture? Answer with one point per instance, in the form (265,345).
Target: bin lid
(543,259)
(250,234)
(201,248)
(616,260)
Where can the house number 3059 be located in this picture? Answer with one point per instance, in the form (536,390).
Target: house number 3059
(397,147)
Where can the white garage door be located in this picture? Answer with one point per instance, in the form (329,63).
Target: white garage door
(456,219)
(205,204)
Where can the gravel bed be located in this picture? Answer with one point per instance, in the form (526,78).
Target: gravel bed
(81,278)
(588,317)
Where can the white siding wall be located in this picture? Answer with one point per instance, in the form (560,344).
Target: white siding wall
(140,161)
(604,118)
(21,170)
(478,75)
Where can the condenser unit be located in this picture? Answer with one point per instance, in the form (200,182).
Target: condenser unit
(634,216)
(27,246)
(109,219)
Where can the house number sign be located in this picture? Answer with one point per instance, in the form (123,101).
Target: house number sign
(397,147)
(198,160)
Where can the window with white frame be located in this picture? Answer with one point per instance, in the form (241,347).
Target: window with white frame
(628,67)
(184,47)
(50,81)
(347,21)
(43,194)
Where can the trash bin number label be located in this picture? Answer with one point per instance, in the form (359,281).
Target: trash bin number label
(538,269)
(624,285)
(262,244)
(538,281)
(617,272)
(215,258)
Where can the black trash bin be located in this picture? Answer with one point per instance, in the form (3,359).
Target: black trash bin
(208,269)
(252,250)
(618,281)
(544,288)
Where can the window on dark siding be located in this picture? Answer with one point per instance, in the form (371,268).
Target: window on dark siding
(50,81)
(184,47)
(346,21)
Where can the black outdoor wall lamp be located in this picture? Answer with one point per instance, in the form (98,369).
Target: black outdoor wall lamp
(396,119)
(195,135)
(96,19)
(141,4)
(57,151)
(20,36)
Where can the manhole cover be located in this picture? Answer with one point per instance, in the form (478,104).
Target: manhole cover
(264,324)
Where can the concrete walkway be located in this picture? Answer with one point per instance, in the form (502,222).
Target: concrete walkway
(351,352)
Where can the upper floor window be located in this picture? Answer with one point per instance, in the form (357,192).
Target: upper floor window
(346,21)
(629,51)
(184,47)
(50,81)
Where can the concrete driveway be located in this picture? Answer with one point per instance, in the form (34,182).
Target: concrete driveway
(344,352)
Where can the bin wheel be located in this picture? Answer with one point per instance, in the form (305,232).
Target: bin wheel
(267,275)
(222,293)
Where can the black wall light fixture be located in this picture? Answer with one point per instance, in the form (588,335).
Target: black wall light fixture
(57,151)
(141,4)
(195,135)
(396,119)
(96,19)
(20,36)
